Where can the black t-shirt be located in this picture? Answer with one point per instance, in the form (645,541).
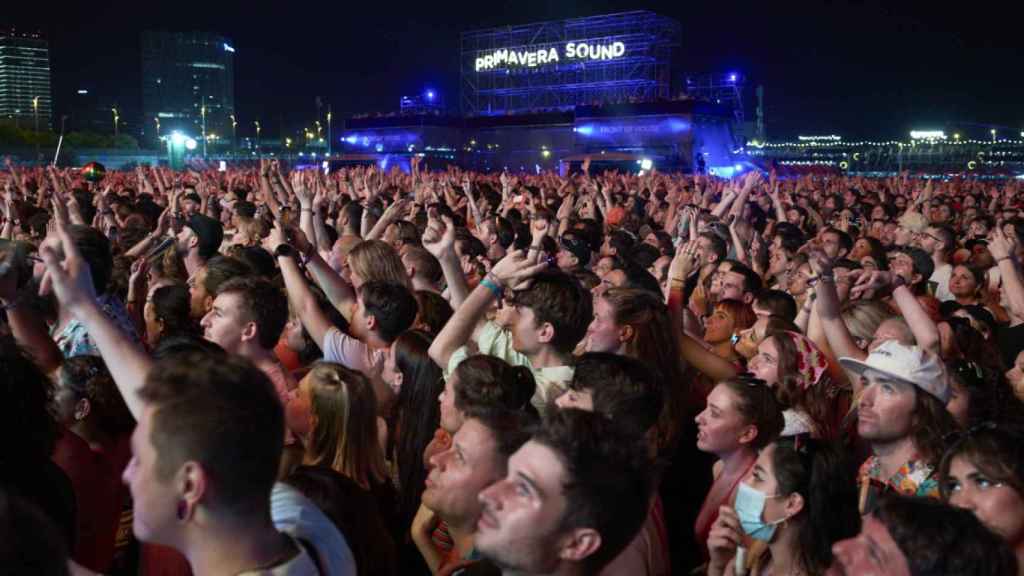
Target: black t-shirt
(47,487)
(1011,341)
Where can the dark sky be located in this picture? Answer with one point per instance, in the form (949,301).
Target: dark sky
(864,69)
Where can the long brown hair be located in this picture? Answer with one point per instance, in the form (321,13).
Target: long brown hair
(345,437)
(656,344)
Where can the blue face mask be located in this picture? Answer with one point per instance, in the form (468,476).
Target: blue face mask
(750,508)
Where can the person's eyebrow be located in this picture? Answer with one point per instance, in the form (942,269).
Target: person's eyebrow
(529,482)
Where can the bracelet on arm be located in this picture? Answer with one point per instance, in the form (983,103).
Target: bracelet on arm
(492,286)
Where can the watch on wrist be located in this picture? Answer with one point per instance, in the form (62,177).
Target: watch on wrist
(286,250)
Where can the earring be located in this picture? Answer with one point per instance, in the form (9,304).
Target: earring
(182,509)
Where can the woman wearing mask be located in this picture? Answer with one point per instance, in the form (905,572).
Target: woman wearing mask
(796,502)
(742,417)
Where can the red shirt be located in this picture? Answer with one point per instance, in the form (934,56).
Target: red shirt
(95,475)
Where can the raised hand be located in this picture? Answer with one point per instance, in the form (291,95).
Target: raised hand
(1000,245)
(515,270)
(70,279)
(725,537)
(868,283)
(683,262)
(439,238)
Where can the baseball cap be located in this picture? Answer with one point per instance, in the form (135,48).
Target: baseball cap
(209,231)
(577,247)
(909,364)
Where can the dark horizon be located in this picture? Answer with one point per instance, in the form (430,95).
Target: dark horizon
(869,70)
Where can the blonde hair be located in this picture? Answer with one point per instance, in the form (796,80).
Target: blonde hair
(344,406)
(376,260)
(863,317)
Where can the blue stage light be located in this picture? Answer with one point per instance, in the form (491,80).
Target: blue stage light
(430,94)
(732,77)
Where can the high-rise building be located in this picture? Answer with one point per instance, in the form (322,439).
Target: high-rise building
(25,79)
(188,85)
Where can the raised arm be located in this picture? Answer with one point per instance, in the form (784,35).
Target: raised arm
(827,303)
(299,295)
(439,240)
(510,271)
(1003,249)
(692,351)
(71,281)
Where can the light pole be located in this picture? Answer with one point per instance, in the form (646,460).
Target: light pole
(257,123)
(993,131)
(234,124)
(328,130)
(202,111)
(157,120)
(116,118)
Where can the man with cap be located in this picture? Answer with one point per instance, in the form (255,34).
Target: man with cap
(573,253)
(901,413)
(198,241)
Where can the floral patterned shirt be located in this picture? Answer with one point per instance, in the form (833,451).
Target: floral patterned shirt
(74,340)
(914,478)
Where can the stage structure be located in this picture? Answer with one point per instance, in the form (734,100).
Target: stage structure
(555,66)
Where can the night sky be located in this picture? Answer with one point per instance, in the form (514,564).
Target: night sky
(867,69)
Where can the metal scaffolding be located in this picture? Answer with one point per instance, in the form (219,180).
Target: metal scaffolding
(640,73)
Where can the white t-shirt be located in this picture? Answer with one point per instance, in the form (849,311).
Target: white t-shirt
(941,277)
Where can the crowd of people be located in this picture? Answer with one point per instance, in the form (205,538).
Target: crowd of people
(287,372)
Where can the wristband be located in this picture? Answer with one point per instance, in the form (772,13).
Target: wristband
(494,288)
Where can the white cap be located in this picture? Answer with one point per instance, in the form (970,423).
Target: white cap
(904,363)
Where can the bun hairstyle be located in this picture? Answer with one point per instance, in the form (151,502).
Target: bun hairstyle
(758,405)
(486,382)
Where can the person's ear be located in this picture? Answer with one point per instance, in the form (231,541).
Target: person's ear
(579,544)
(626,333)
(371,322)
(192,482)
(546,333)
(207,304)
(794,504)
(748,435)
(82,409)
(250,331)
(398,379)
(748,298)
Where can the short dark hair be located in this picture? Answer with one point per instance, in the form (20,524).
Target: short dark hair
(752,282)
(560,300)
(434,311)
(505,230)
(790,235)
(510,428)
(609,479)
(224,413)
(639,278)
(779,303)
(220,269)
(927,530)
(392,305)
(171,304)
(718,245)
(353,212)
(623,389)
(264,303)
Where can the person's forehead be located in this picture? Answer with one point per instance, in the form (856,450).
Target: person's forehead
(473,439)
(227,302)
(875,377)
(541,465)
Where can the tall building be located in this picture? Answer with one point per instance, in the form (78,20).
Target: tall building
(25,79)
(185,74)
